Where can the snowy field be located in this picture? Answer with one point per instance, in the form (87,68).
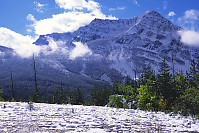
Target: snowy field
(17,117)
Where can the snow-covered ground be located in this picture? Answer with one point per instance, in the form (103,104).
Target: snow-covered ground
(17,117)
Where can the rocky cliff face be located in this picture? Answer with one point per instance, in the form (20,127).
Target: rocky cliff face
(106,50)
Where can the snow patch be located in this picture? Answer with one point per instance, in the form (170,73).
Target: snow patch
(16,116)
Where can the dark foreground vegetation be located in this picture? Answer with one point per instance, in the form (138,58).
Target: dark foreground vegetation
(167,91)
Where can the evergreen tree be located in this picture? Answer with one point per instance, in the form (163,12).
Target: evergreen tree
(147,95)
(127,81)
(147,73)
(193,73)
(173,67)
(60,94)
(164,82)
(56,96)
(197,74)
(181,83)
(78,97)
(1,99)
(36,94)
(12,85)
(94,96)
(190,104)
(115,89)
(135,80)
(69,96)
(99,96)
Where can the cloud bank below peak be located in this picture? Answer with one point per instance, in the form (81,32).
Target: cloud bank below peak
(80,50)
(22,45)
(189,37)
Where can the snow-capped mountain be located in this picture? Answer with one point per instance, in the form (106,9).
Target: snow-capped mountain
(103,51)
(125,45)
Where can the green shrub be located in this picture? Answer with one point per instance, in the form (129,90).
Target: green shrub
(115,101)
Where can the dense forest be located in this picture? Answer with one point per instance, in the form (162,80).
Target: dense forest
(165,90)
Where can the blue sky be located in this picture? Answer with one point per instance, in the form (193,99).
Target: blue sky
(22,21)
(14,12)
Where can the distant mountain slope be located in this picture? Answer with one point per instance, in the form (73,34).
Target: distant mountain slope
(101,52)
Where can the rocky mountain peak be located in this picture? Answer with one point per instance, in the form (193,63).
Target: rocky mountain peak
(155,21)
(152,13)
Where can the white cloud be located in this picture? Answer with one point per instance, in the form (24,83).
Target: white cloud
(78,4)
(30,17)
(165,5)
(189,20)
(39,7)
(118,8)
(54,47)
(192,14)
(136,2)
(71,20)
(29,30)
(171,14)
(80,50)
(22,45)
(189,37)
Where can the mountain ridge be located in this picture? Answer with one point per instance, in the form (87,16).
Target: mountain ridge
(150,29)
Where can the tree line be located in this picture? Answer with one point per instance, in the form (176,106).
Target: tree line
(166,90)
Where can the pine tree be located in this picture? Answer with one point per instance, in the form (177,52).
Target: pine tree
(173,67)
(78,97)
(61,93)
(99,96)
(192,74)
(181,83)
(127,81)
(36,94)
(114,88)
(180,86)
(1,99)
(94,96)
(68,96)
(135,83)
(56,96)
(197,74)
(12,85)
(147,73)
(164,82)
